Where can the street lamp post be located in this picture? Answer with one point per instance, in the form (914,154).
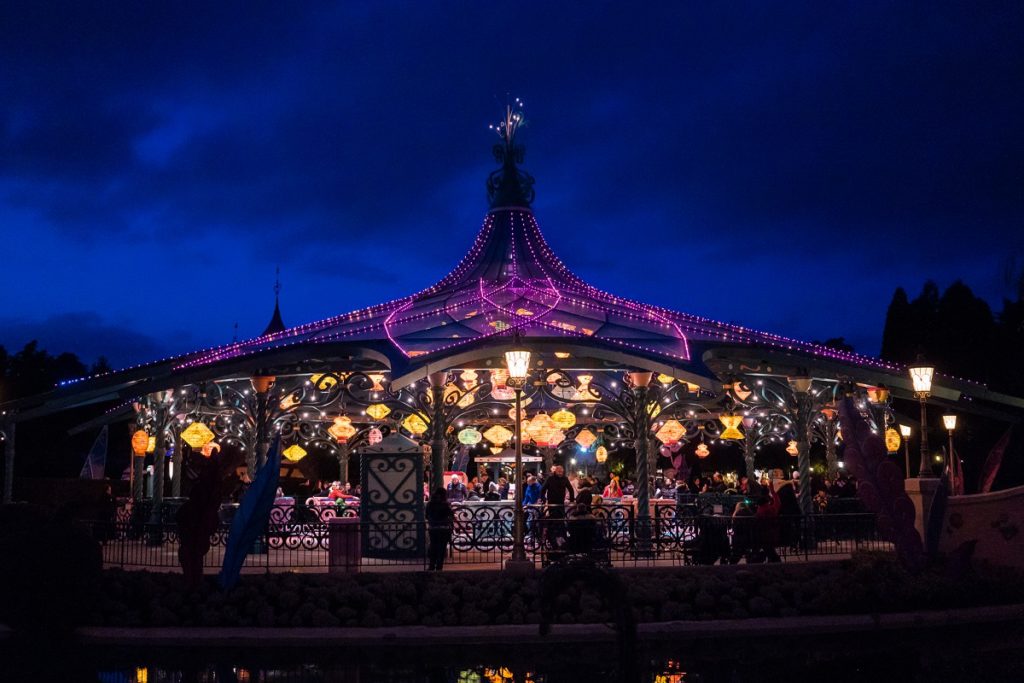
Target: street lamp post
(950,423)
(905,433)
(921,374)
(518,362)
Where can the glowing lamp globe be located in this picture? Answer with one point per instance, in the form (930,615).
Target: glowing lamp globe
(921,374)
(892,440)
(470,436)
(949,421)
(415,424)
(140,442)
(294,453)
(601,454)
(731,422)
(905,431)
(518,363)
(702,450)
(197,435)
(793,449)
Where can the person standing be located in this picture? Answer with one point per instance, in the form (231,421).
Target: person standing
(456,490)
(440,518)
(554,491)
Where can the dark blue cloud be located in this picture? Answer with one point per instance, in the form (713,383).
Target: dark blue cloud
(784,167)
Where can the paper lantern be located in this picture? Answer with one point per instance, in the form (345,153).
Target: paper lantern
(666,379)
(378,411)
(584,392)
(415,424)
(496,450)
(731,422)
(140,442)
(197,435)
(289,401)
(464,400)
(563,418)
(152,444)
(469,379)
(374,436)
(741,392)
(498,435)
(586,439)
(522,415)
(670,432)
(892,440)
(702,450)
(601,454)
(878,394)
(562,355)
(323,381)
(377,379)
(554,436)
(499,378)
(342,429)
(294,453)
(470,436)
(793,448)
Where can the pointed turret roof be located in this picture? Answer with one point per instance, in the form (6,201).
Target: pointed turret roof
(276,324)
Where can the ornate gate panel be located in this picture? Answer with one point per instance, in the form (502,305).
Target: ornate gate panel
(391,500)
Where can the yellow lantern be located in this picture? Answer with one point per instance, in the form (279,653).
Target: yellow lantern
(586,439)
(666,380)
(793,448)
(294,453)
(601,454)
(377,379)
(563,418)
(151,446)
(140,442)
(378,411)
(415,424)
(498,435)
(289,401)
(323,381)
(670,432)
(342,429)
(496,450)
(892,440)
(740,391)
(197,435)
(702,450)
(731,422)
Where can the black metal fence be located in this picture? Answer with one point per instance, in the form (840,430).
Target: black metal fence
(481,537)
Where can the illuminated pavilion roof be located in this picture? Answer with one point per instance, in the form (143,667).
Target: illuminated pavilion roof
(509,283)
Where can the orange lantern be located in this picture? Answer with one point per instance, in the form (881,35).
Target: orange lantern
(342,429)
(140,442)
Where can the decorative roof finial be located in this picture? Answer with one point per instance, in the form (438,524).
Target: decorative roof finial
(510,186)
(276,324)
(277,283)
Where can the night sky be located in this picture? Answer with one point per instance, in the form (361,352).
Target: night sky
(779,166)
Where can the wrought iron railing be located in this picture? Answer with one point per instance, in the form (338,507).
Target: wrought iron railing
(482,536)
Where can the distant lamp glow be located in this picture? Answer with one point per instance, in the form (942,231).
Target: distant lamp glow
(377,380)
(294,453)
(197,435)
(151,446)
(665,380)
(469,378)
(892,440)
(601,454)
(562,355)
(905,431)
(949,421)
(140,442)
(879,394)
(702,450)
(800,384)
(731,422)
(793,449)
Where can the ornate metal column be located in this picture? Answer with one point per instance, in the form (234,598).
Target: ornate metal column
(438,427)
(801,387)
(159,465)
(138,472)
(642,424)
(176,461)
(749,445)
(261,384)
(9,429)
(343,458)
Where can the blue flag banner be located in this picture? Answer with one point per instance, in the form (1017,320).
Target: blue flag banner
(251,518)
(95,465)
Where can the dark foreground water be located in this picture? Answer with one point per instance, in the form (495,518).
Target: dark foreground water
(989,654)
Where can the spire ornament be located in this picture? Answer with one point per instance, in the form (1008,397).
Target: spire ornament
(509,186)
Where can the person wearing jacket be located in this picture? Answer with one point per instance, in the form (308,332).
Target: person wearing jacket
(767,519)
